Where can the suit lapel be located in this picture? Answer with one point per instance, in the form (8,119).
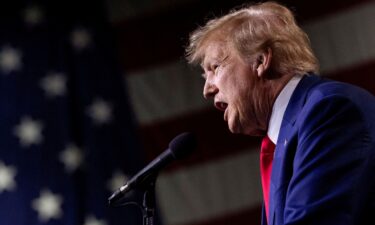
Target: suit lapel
(295,105)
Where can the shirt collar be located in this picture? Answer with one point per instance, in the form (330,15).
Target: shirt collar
(279,108)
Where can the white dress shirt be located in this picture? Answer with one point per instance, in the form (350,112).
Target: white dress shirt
(279,108)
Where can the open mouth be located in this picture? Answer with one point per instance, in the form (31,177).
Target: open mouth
(222,106)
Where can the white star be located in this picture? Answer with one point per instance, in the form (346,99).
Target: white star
(29,131)
(72,157)
(33,15)
(80,38)
(54,84)
(92,220)
(7,174)
(10,59)
(48,206)
(100,111)
(118,179)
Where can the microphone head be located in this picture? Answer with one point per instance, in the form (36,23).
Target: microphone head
(182,145)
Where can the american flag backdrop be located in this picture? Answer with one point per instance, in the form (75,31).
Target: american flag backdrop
(220,183)
(67,132)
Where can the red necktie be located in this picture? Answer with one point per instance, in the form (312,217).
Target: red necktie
(266,157)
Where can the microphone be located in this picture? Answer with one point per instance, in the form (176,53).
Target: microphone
(179,148)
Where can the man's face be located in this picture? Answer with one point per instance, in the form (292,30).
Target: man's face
(236,89)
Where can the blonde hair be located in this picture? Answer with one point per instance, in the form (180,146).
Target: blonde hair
(254,29)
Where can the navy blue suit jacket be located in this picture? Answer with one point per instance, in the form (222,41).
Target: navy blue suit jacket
(323,171)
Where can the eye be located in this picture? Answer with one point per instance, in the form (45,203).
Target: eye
(215,67)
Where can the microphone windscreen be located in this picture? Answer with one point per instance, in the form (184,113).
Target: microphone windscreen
(182,145)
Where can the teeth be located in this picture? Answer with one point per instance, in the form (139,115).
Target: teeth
(221,105)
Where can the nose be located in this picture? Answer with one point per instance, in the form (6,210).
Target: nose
(210,89)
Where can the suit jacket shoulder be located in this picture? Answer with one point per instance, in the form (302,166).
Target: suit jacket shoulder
(324,156)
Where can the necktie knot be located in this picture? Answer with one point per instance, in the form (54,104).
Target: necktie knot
(267,145)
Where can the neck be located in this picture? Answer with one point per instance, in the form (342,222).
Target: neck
(274,89)
(277,85)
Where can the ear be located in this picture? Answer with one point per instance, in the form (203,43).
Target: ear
(264,62)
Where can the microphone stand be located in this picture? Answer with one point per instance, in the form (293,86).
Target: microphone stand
(145,179)
(148,203)
(148,206)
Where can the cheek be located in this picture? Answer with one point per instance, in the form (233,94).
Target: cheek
(235,84)
(245,104)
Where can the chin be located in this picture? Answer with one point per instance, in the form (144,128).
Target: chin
(236,128)
(232,128)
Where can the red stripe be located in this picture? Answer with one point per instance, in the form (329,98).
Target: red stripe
(360,75)
(215,141)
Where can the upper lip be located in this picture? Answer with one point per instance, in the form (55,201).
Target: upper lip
(221,105)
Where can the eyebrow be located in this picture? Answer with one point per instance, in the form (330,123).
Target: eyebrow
(224,58)
(215,60)
(202,64)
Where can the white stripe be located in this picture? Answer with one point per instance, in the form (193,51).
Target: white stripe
(214,189)
(344,39)
(163,92)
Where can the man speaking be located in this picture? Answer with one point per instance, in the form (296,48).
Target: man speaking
(318,151)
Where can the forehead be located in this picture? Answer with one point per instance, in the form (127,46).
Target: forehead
(214,51)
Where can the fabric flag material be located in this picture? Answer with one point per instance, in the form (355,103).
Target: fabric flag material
(67,136)
(220,183)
